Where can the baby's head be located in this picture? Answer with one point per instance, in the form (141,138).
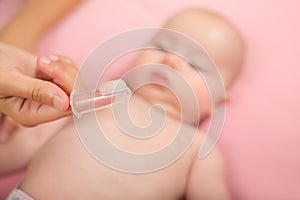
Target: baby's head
(217,36)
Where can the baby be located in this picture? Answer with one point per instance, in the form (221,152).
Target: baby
(63,169)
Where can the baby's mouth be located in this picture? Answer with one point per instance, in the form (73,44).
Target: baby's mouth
(159,79)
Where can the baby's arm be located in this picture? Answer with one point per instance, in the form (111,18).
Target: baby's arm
(24,143)
(206,179)
(33,20)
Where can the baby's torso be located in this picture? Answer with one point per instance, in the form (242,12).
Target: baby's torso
(64,169)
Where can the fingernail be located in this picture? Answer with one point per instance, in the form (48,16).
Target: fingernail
(45,61)
(58,103)
(53,57)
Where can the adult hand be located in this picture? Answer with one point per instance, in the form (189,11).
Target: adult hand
(26,94)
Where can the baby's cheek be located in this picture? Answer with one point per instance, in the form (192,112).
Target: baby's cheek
(204,98)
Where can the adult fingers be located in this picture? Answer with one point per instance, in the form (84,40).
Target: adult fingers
(62,70)
(28,112)
(14,83)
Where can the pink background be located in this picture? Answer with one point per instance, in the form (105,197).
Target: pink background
(261,138)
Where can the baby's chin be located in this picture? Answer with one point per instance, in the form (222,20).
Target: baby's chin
(169,106)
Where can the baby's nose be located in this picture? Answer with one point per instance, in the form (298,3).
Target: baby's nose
(173,61)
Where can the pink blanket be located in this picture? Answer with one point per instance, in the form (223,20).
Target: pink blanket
(261,138)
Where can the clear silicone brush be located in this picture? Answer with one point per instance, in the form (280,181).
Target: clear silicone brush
(111,92)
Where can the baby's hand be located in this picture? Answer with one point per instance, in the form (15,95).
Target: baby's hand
(60,69)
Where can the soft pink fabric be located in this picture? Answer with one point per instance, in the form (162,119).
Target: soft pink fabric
(261,138)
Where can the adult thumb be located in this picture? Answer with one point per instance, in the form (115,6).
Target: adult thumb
(35,89)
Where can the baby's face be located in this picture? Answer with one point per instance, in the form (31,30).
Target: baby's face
(158,94)
(217,37)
